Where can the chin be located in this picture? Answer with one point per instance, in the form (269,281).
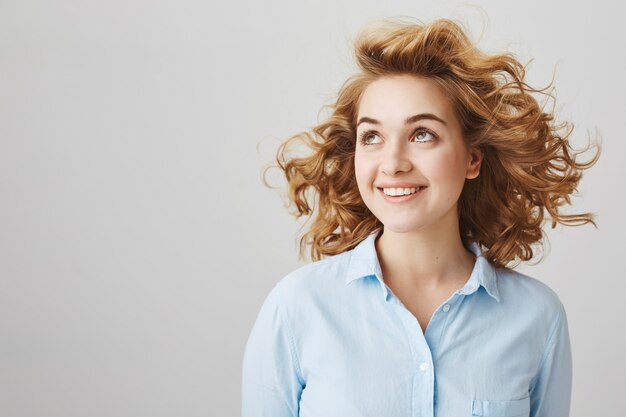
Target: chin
(405,227)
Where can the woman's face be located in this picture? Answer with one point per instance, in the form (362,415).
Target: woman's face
(410,158)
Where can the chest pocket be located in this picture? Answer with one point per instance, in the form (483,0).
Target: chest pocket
(514,408)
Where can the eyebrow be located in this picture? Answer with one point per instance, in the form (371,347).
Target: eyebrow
(408,120)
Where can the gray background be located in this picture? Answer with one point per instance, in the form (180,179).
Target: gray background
(137,242)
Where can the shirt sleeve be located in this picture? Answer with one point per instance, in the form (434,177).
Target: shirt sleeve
(271,380)
(550,391)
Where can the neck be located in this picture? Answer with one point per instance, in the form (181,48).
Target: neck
(425,258)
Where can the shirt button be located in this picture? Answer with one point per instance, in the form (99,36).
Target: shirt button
(423,367)
(446,308)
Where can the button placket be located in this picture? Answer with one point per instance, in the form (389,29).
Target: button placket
(422,355)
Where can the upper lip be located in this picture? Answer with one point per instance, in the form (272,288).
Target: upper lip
(399,185)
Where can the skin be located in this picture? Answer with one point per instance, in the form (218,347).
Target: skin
(420,250)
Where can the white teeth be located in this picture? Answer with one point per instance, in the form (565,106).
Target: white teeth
(399,191)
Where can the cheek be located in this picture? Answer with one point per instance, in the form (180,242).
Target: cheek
(448,167)
(362,170)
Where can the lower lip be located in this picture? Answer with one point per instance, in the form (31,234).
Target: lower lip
(401,198)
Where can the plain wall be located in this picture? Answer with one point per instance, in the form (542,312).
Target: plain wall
(137,241)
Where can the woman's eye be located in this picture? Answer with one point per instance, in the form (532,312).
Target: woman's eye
(422,135)
(367,138)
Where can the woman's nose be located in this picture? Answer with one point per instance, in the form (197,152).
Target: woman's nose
(395,159)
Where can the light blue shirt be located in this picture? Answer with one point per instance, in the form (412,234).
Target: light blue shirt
(332,340)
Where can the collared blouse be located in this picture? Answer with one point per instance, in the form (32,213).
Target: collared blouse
(332,340)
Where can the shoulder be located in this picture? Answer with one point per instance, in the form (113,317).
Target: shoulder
(527,294)
(314,282)
(320,276)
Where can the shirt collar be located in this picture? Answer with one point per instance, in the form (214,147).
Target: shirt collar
(364,263)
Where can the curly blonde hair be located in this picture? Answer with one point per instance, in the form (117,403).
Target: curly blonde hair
(528,166)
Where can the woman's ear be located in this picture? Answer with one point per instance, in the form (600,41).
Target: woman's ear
(473,168)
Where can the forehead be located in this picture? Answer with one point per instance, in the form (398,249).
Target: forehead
(396,97)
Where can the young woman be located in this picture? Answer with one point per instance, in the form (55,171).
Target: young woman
(430,178)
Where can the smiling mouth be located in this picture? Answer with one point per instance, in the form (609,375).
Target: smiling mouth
(401,195)
(399,192)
